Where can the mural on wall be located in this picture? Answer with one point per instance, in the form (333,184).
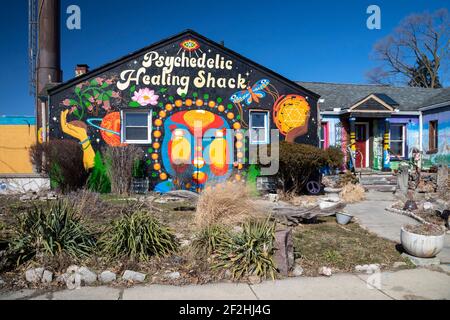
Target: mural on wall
(442,154)
(187,85)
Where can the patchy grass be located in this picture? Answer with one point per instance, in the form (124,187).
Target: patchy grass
(341,247)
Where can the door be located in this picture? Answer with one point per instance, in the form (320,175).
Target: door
(361,145)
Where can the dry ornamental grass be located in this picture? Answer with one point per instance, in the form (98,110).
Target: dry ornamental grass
(352,193)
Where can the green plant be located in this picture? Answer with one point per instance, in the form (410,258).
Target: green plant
(48,230)
(138,236)
(248,252)
(209,238)
(334,157)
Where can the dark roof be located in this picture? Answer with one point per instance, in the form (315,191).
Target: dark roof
(442,97)
(388,100)
(160,43)
(343,96)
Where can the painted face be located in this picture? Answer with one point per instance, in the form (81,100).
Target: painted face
(196,147)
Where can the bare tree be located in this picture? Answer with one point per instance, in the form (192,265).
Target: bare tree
(416,52)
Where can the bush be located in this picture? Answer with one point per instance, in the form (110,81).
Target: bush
(49,230)
(62,161)
(120,164)
(225,203)
(208,239)
(335,157)
(298,162)
(248,252)
(352,193)
(138,236)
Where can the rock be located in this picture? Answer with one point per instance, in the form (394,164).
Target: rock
(107,277)
(34,275)
(332,190)
(298,271)
(1,282)
(47,277)
(325,271)
(73,281)
(173,275)
(61,279)
(129,275)
(399,264)
(183,194)
(273,197)
(428,206)
(332,198)
(87,276)
(185,243)
(254,279)
(368,268)
(284,251)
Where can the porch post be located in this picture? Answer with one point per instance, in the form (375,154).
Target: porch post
(353,142)
(386,156)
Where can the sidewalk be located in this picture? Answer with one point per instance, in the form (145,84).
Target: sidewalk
(403,285)
(371,214)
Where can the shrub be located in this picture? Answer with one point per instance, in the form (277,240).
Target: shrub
(225,203)
(208,239)
(138,236)
(248,252)
(347,178)
(62,161)
(120,163)
(334,157)
(48,230)
(298,162)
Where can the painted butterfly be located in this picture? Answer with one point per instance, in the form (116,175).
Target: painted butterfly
(253,93)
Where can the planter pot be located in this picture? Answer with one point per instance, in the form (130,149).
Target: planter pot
(421,246)
(343,218)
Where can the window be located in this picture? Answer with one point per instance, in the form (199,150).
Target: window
(398,144)
(433,136)
(259,127)
(324,135)
(136,127)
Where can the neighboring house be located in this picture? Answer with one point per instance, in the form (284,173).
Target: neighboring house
(17,134)
(436,129)
(382,124)
(161,96)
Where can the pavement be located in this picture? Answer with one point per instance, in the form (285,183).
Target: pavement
(400,285)
(372,216)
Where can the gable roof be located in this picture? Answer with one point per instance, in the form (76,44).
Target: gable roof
(439,100)
(371,103)
(344,96)
(163,42)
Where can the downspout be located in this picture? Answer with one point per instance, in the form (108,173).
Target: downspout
(44,121)
(420,137)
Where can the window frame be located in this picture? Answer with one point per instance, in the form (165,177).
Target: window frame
(433,141)
(266,127)
(403,140)
(123,126)
(325,142)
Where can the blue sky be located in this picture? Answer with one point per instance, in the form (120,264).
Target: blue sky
(303,40)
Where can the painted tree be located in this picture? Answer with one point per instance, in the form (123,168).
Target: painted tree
(416,53)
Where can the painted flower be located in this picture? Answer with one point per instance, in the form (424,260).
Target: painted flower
(115,94)
(66,102)
(99,80)
(145,97)
(106,105)
(109,81)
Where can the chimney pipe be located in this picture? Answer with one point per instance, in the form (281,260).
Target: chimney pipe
(81,69)
(49,54)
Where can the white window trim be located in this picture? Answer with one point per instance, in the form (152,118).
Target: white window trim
(403,140)
(123,126)
(266,127)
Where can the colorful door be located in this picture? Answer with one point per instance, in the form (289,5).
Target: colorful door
(361,143)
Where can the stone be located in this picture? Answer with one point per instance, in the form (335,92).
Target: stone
(73,281)
(130,275)
(422,262)
(34,275)
(324,205)
(1,282)
(47,277)
(298,271)
(284,251)
(333,197)
(325,271)
(254,279)
(185,243)
(173,275)
(61,279)
(273,197)
(107,277)
(87,276)
(332,190)
(399,264)
(428,206)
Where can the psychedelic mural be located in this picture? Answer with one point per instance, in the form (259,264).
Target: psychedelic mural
(198,96)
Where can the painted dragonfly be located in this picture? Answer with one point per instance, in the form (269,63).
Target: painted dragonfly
(252,94)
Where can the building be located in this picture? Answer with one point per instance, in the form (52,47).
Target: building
(179,99)
(382,124)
